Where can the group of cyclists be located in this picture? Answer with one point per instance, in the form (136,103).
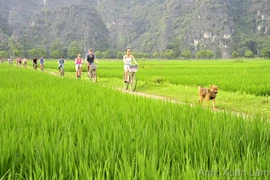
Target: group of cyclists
(90,60)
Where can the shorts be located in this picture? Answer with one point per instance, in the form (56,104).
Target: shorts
(126,67)
(77,66)
(42,63)
(61,65)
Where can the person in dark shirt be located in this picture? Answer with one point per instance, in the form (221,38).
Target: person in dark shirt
(35,62)
(90,59)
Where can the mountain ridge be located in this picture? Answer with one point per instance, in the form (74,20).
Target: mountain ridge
(154,26)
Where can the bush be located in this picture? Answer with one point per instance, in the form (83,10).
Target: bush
(266,53)
(186,54)
(248,54)
(235,54)
(3,54)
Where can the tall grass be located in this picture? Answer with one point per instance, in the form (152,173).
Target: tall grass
(57,128)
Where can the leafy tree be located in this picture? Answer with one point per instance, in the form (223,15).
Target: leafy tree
(186,54)
(17,52)
(209,53)
(106,54)
(56,45)
(113,54)
(139,55)
(73,49)
(3,54)
(266,53)
(205,54)
(201,54)
(235,54)
(155,55)
(33,52)
(57,54)
(98,54)
(15,47)
(41,52)
(167,54)
(120,55)
(248,54)
(242,51)
(252,45)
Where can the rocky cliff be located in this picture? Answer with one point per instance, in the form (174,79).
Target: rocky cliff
(153,25)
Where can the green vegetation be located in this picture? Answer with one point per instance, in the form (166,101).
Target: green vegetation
(3,54)
(62,128)
(244,84)
(112,26)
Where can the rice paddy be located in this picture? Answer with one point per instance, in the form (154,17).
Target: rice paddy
(63,128)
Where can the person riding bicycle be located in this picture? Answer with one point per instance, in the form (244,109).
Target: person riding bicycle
(78,65)
(24,61)
(128,58)
(9,61)
(19,61)
(35,62)
(61,63)
(41,62)
(90,59)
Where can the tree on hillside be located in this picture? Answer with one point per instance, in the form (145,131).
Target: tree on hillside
(204,54)
(155,55)
(98,54)
(186,54)
(56,45)
(3,54)
(242,51)
(248,54)
(15,47)
(235,54)
(17,52)
(33,52)
(42,52)
(106,54)
(266,53)
(74,49)
(209,54)
(120,55)
(57,54)
(167,54)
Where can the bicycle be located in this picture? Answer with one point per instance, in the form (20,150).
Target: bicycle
(92,74)
(131,81)
(35,66)
(62,72)
(42,67)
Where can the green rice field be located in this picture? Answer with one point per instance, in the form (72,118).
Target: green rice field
(56,127)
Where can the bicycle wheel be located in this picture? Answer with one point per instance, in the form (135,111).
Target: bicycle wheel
(94,75)
(62,71)
(125,83)
(132,81)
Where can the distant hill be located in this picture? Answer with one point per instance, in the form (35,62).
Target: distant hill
(154,25)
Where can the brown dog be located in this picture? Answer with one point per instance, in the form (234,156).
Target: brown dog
(208,94)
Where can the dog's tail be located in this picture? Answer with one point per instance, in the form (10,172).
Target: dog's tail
(199,87)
